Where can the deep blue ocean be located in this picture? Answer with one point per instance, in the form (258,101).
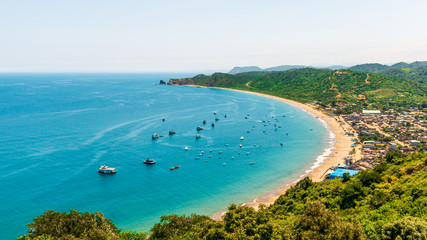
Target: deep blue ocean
(56,130)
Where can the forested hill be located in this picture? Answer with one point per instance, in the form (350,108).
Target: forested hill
(379,68)
(327,87)
(414,71)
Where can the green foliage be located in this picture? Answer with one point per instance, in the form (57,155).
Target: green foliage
(72,225)
(319,223)
(408,228)
(174,226)
(133,235)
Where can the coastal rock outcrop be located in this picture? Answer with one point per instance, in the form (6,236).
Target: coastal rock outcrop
(181,81)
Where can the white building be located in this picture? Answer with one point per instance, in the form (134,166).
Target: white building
(371,111)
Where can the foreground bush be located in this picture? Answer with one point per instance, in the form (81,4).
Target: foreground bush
(76,225)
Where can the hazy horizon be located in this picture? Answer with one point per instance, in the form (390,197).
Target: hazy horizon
(206,36)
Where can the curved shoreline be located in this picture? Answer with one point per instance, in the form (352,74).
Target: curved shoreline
(338,150)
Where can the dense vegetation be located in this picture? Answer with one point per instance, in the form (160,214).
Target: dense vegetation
(324,86)
(416,71)
(76,225)
(387,202)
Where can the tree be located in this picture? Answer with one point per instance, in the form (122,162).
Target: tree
(407,228)
(73,225)
(172,226)
(319,223)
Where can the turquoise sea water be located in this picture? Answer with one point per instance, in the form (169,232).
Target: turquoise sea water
(57,129)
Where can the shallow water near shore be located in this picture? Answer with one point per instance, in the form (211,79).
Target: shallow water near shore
(57,129)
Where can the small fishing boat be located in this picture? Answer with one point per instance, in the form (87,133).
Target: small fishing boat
(176,167)
(216,119)
(223,164)
(251,163)
(172,168)
(225,116)
(232,157)
(106,170)
(163,119)
(149,161)
(154,136)
(172,132)
(197,136)
(220,152)
(240,145)
(204,122)
(242,138)
(197,158)
(199,128)
(186,148)
(215,113)
(213,124)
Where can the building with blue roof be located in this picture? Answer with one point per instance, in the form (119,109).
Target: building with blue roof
(339,172)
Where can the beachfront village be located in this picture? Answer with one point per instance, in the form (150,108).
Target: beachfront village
(374,133)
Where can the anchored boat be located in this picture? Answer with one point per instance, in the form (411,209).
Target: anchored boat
(149,161)
(107,170)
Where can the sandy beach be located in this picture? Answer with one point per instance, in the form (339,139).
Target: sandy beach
(341,149)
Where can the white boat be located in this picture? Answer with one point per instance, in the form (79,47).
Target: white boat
(186,148)
(241,138)
(106,170)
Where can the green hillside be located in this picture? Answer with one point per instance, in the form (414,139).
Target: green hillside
(416,71)
(370,67)
(325,86)
(387,202)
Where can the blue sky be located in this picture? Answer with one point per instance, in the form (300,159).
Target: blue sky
(165,36)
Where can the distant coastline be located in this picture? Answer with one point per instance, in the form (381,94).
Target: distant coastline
(333,155)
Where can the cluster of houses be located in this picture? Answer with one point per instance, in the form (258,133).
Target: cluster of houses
(404,130)
(376,132)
